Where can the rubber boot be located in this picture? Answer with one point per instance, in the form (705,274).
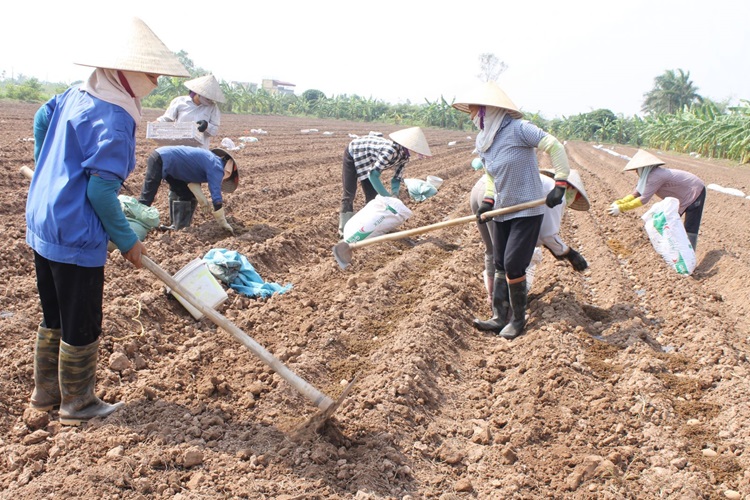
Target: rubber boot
(343,219)
(693,239)
(46,393)
(500,307)
(181,213)
(517,323)
(77,380)
(576,260)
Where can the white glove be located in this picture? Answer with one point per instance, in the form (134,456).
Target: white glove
(222,220)
(195,188)
(614,209)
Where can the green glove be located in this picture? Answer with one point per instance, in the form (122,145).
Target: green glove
(395,187)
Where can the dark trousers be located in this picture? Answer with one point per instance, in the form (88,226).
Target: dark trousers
(153,178)
(349,181)
(514,241)
(694,213)
(71,298)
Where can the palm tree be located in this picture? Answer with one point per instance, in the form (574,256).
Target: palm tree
(671,93)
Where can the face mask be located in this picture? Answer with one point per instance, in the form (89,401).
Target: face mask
(206,101)
(140,83)
(570,195)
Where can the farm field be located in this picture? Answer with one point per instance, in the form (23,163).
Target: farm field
(631,381)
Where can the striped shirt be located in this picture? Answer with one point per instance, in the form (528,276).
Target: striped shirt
(377,153)
(511,161)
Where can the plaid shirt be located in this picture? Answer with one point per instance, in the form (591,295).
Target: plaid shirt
(511,161)
(377,153)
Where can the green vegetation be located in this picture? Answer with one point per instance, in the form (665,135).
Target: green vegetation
(676,117)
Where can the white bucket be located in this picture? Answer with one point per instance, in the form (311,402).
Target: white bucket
(199,281)
(435,181)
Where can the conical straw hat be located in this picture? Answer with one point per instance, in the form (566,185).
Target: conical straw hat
(642,159)
(574,179)
(486,94)
(412,139)
(208,87)
(130,45)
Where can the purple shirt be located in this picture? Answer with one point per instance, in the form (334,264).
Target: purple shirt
(666,182)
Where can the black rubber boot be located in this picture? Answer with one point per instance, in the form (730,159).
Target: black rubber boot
(517,323)
(46,393)
(500,306)
(181,213)
(576,260)
(77,380)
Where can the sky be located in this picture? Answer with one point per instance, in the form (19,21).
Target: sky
(563,57)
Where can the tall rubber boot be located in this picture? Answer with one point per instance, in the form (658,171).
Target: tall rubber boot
(181,213)
(343,219)
(517,323)
(500,307)
(693,239)
(489,285)
(77,381)
(46,394)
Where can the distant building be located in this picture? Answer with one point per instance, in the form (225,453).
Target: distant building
(278,87)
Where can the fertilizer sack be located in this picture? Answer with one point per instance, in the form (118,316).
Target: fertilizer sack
(420,190)
(668,236)
(380,216)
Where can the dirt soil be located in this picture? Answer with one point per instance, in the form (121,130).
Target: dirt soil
(631,381)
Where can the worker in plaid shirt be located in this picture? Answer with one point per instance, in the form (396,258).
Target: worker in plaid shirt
(366,157)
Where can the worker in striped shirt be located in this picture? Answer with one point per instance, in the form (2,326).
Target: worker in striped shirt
(365,158)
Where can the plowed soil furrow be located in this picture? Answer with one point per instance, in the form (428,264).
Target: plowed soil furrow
(630,382)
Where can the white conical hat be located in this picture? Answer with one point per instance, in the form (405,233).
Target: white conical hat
(486,94)
(130,45)
(412,139)
(206,86)
(642,159)
(574,179)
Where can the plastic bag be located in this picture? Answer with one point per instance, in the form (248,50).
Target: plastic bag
(148,216)
(668,236)
(379,216)
(536,259)
(420,190)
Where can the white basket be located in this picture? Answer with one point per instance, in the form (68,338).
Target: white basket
(174,133)
(199,281)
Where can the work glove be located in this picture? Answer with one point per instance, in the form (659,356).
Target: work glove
(555,197)
(222,220)
(195,188)
(614,209)
(486,205)
(395,187)
(202,125)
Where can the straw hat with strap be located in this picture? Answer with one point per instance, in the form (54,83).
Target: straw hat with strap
(208,87)
(130,45)
(642,159)
(412,139)
(581,202)
(486,94)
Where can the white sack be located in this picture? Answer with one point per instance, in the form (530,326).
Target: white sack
(668,236)
(380,216)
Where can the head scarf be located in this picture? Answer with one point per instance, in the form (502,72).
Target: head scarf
(105,85)
(488,120)
(643,178)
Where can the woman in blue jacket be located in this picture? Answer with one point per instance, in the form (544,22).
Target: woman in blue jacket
(86,150)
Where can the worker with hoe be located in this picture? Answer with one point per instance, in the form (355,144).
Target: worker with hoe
(549,233)
(507,145)
(366,157)
(198,106)
(185,168)
(654,179)
(88,136)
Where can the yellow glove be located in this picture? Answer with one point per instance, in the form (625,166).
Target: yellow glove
(222,220)
(630,204)
(195,188)
(628,198)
